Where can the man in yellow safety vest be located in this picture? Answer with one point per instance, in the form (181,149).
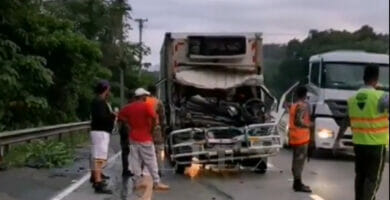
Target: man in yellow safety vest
(368,113)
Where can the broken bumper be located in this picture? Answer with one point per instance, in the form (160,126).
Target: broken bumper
(224,144)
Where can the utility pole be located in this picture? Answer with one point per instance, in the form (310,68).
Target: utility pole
(140,22)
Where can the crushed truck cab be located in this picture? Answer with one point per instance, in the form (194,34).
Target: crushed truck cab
(218,109)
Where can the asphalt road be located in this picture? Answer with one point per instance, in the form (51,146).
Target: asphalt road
(330,179)
(41,184)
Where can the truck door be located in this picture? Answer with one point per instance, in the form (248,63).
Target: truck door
(283,112)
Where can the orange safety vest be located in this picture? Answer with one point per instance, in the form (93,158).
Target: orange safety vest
(298,136)
(152,102)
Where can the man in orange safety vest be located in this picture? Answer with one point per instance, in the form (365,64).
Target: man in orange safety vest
(299,137)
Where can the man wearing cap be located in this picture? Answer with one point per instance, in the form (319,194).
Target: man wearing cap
(102,123)
(141,120)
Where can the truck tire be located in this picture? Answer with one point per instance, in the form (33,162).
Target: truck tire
(180,169)
(259,165)
(168,150)
(262,167)
(168,153)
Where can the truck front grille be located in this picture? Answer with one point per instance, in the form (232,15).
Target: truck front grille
(338,108)
(339,120)
(347,137)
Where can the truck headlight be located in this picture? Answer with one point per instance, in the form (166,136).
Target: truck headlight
(325,133)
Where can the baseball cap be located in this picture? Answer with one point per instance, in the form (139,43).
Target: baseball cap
(141,92)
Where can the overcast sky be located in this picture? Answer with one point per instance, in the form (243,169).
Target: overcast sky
(278,20)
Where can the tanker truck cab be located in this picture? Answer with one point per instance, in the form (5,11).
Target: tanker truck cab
(333,78)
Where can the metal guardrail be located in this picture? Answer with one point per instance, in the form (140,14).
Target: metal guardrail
(26,135)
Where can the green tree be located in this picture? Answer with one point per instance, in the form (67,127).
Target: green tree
(22,80)
(46,66)
(106,22)
(294,66)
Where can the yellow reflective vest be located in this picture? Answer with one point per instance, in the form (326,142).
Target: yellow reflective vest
(369,126)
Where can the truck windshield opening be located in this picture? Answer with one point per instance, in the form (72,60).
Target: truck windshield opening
(216,46)
(349,76)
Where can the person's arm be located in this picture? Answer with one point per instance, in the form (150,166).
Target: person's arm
(152,114)
(161,115)
(384,103)
(300,117)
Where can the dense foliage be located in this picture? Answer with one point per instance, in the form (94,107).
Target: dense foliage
(52,53)
(45,154)
(286,64)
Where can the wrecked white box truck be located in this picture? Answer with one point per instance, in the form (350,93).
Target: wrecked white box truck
(217,107)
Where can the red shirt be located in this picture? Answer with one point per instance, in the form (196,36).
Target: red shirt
(139,117)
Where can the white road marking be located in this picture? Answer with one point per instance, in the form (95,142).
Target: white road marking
(316,197)
(81,181)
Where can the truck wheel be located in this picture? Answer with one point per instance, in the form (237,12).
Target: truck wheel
(286,143)
(319,153)
(168,152)
(180,169)
(261,167)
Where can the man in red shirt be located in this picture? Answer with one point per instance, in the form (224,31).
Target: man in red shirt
(141,119)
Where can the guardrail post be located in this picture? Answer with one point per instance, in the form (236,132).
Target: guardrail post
(1,153)
(87,132)
(71,137)
(5,149)
(60,137)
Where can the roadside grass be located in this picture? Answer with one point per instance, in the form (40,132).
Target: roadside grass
(49,153)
